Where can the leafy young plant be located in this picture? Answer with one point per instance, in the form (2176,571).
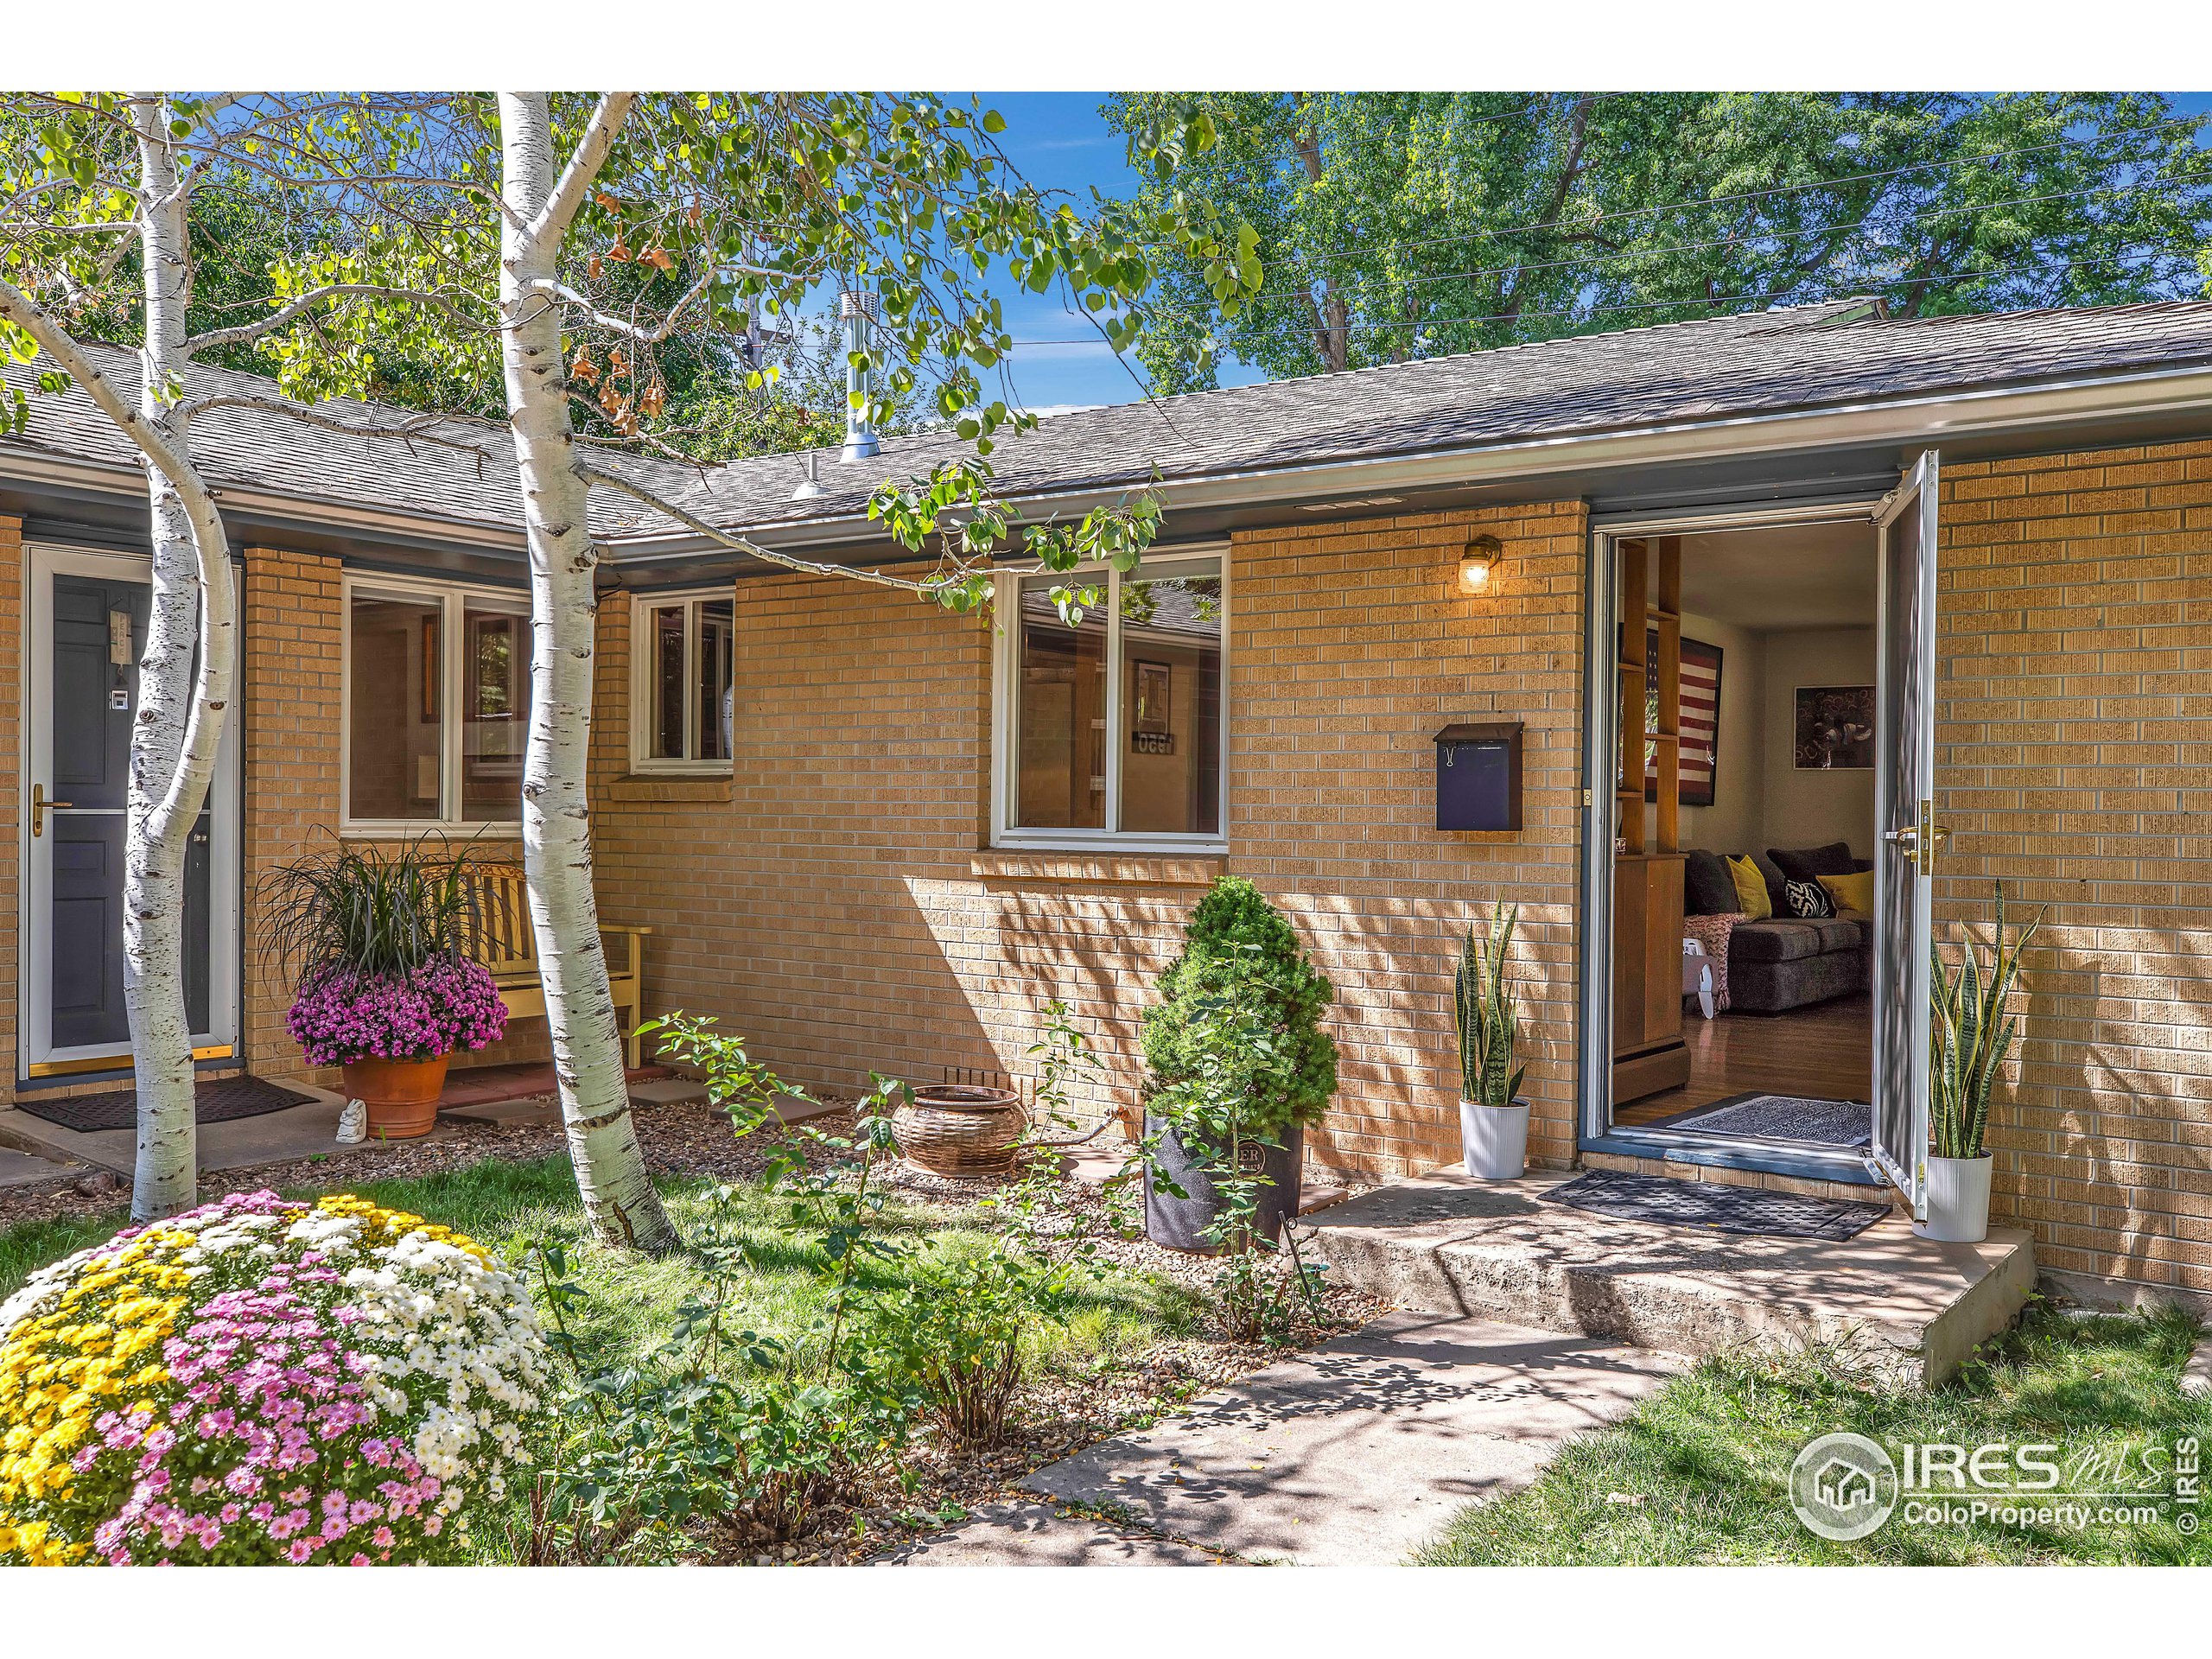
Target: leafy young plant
(1487,1014)
(1239,950)
(718,1434)
(1972,1034)
(955,1332)
(1210,1109)
(377,913)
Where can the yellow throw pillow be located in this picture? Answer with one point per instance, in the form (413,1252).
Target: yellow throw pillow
(1853,892)
(1750,890)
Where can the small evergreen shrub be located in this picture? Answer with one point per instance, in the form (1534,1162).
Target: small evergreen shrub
(1239,952)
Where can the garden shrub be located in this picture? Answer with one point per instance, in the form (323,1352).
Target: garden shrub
(261,1380)
(954,1333)
(1238,951)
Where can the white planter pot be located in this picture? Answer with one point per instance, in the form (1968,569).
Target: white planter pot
(1958,1199)
(1496,1139)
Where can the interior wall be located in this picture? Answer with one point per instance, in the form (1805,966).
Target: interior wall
(1810,808)
(1733,822)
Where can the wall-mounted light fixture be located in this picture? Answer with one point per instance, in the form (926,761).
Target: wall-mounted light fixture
(1475,563)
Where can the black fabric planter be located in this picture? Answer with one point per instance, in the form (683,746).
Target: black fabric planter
(1181,1223)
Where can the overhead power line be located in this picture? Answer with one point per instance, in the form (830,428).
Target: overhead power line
(2186,253)
(1353,293)
(1693,204)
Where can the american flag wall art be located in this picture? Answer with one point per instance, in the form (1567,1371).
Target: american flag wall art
(1701,719)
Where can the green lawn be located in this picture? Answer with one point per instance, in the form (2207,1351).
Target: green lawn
(1700,1473)
(506,1207)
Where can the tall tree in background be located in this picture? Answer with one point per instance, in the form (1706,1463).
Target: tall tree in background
(1394,225)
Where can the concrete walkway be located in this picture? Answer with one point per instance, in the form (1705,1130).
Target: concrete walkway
(1355,1454)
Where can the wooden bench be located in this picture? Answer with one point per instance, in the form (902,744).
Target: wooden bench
(506,944)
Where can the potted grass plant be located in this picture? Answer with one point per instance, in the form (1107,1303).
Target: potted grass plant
(1493,1116)
(1971,1031)
(386,989)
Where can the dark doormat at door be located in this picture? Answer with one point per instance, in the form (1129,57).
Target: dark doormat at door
(1715,1206)
(218,1100)
(1780,1117)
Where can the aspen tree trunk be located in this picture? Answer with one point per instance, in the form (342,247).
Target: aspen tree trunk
(618,1193)
(177,725)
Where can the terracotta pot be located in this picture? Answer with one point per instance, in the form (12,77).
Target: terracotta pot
(401,1096)
(959,1130)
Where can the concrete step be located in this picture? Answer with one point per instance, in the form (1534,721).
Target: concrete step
(1905,1307)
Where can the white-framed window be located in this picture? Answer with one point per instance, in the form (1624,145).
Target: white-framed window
(1114,731)
(436,702)
(683,680)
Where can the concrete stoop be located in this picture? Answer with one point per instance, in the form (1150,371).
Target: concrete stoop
(1903,1307)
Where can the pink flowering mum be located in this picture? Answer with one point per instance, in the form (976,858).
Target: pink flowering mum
(340,1016)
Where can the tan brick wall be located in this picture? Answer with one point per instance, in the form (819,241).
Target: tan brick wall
(2075,761)
(293,694)
(293,684)
(832,908)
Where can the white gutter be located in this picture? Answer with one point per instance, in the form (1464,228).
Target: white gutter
(1894,421)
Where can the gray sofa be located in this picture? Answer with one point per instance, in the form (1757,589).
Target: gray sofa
(1785,962)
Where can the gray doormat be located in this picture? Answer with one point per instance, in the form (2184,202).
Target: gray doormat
(1714,1205)
(218,1100)
(1780,1117)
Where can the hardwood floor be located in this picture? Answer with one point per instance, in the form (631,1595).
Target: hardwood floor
(1825,1052)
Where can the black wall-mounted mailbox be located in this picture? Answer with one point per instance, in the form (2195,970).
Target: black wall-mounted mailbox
(1478,776)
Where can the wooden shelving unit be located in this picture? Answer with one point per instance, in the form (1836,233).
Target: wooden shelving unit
(1649,1054)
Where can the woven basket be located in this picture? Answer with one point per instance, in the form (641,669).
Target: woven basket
(960,1130)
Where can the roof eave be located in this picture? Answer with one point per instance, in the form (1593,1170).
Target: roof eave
(1930,418)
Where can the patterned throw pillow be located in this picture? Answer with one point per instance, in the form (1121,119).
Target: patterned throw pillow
(1809,899)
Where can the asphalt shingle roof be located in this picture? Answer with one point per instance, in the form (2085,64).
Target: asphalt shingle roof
(1802,358)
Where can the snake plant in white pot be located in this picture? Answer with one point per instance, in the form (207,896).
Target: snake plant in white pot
(1493,1117)
(1971,1033)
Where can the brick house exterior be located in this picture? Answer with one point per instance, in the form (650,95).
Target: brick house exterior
(837,896)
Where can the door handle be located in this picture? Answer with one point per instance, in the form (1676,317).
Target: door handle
(1920,842)
(40,807)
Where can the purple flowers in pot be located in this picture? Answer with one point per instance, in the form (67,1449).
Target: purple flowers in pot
(384,940)
(340,1015)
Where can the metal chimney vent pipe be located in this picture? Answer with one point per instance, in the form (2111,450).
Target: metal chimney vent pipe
(859,312)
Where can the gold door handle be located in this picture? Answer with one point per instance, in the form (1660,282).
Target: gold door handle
(1921,842)
(40,806)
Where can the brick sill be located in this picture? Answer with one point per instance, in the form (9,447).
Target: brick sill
(1100,869)
(637,787)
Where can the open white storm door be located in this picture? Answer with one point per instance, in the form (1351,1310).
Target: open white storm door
(1907,835)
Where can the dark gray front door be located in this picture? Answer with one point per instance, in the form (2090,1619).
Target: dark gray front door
(99,628)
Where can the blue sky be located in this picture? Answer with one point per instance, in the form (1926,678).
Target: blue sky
(1060,141)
